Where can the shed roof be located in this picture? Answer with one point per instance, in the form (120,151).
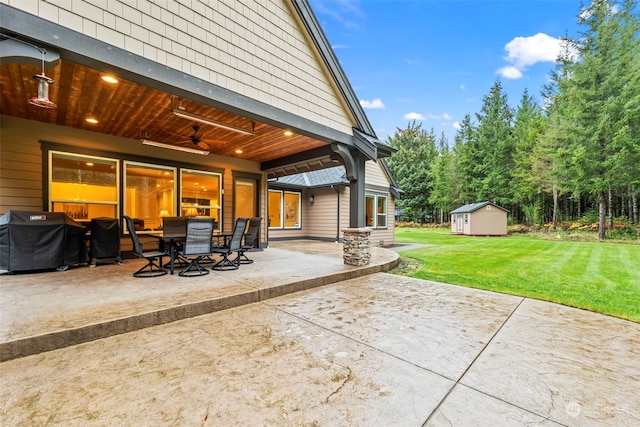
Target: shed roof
(472,207)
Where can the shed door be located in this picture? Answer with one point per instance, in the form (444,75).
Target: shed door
(460,224)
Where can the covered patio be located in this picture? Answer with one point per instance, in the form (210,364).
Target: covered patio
(52,309)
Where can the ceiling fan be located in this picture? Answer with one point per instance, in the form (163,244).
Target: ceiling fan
(196,138)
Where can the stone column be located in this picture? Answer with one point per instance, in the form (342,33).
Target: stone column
(356,246)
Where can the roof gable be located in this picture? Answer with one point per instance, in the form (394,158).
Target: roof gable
(472,207)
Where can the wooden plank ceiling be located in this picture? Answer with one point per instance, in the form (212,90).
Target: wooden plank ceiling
(131,110)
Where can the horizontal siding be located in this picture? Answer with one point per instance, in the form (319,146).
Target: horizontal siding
(322,216)
(375,176)
(20,169)
(255,48)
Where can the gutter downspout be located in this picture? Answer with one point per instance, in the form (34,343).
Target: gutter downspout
(337,190)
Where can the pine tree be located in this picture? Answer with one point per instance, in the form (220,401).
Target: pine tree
(594,92)
(495,148)
(527,128)
(411,166)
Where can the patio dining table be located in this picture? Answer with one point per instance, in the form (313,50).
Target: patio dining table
(172,239)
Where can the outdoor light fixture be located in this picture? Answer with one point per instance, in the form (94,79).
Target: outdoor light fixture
(173,147)
(42,99)
(312,199)
(207,121)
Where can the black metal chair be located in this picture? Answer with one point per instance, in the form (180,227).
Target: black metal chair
(152,268)
(197,245)
(176,225)
(234,246)
(250,240)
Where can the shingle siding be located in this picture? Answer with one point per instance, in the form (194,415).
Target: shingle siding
(254,48)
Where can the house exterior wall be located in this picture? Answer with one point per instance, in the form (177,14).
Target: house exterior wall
(320,219)
(375,175)
(377,182)
(254,48)
(21,167)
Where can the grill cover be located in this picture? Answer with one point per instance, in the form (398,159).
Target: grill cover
(40,240)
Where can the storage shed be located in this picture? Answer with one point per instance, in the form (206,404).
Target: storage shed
(479,219)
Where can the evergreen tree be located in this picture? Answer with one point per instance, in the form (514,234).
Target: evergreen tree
(527,129)
(443,180)
(594,89)
(411,166)
(466,154)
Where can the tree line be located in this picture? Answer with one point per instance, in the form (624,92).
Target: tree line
(573,155)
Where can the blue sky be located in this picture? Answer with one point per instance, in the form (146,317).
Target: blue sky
(435,60)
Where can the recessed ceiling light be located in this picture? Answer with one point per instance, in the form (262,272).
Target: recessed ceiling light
(288,133)
(89,164)
(109,79)
(91,120)
(238,151)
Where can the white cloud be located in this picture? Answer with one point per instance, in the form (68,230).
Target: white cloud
(413,62)
(457,125)
(413,116)
(462,87)
(510,72)
(375,104)
(525,51)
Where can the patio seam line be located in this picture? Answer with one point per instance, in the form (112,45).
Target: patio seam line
(456,382)
(36,344)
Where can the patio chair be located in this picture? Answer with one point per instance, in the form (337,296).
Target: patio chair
(197,245)
(250,240)
(234,245)
(152,268)
(176,225)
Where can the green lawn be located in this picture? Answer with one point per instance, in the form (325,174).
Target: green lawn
(601,277)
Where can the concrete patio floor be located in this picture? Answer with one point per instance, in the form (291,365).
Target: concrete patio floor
(353,347)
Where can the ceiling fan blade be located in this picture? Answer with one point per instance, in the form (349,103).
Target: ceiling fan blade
(203,145)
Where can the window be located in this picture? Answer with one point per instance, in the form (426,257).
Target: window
(200,194)
(466,218)
(381,212)
(83,187)
(245,194)
(149,193)
(284,209)
(375,211)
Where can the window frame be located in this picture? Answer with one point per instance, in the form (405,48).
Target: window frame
(282,204)
(125,164)
(182,205)
(375,215)
(83,157)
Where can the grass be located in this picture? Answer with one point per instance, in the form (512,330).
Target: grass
(601,277)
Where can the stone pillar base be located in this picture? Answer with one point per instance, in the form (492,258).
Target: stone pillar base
(357,246)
